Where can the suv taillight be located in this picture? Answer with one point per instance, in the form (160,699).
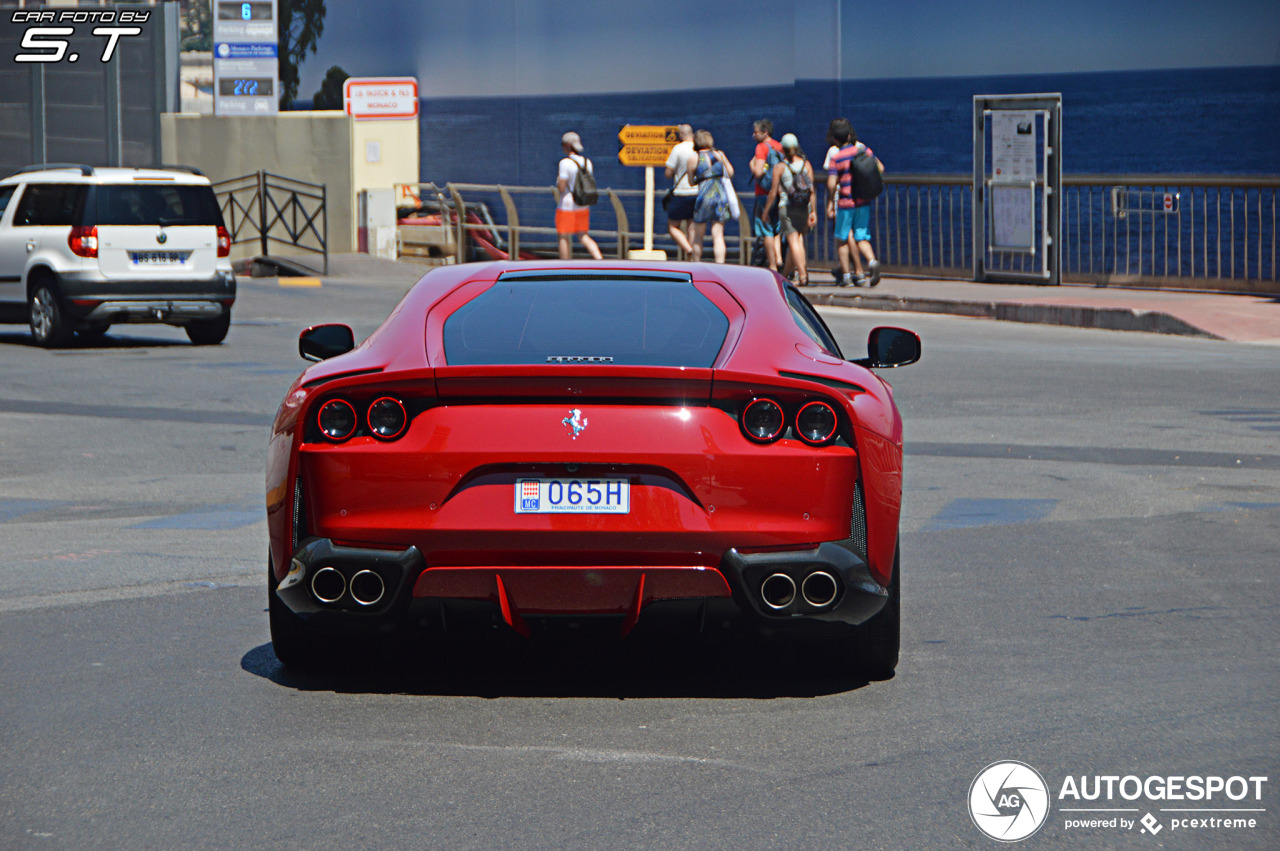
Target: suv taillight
(224,242)
(84,241)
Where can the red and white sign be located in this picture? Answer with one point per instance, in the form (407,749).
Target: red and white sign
(1168,202)
(366,98)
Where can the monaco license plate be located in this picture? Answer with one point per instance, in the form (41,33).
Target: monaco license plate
(573,496)
(150,258)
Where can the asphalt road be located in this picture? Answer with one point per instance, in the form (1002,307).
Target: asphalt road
(1090,542)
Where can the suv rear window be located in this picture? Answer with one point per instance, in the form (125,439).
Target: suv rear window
(151,204)
(586,320)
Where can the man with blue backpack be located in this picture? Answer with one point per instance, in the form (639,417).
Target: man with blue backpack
(764,222)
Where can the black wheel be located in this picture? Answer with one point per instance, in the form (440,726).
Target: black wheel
(93,333)
(872,650)
(209,332)
(295,644)
(49,323)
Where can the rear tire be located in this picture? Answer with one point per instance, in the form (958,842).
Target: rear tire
(296,645)
(209,332)
(872,650)
(49,323)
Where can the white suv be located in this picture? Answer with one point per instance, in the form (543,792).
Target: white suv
(82,248)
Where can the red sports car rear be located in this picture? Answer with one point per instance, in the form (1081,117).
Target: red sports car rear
(529,444)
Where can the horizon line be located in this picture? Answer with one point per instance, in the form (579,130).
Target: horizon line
(758,86)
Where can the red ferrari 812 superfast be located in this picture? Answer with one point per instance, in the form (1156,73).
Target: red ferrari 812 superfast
(529,445)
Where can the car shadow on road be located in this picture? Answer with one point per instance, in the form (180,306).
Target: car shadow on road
(23,338)
(620,670)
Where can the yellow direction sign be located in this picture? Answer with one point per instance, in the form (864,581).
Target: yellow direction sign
(647,145)
(652,155)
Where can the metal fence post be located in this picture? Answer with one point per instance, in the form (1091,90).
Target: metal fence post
(262,209)
(513,224)
(624,228)
(460,210)
(324,205)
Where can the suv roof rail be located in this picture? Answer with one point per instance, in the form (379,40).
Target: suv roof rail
(86,170)
(190,169)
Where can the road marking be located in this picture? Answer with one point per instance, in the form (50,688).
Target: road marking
(209,517)
(127,592)
(11,509)
(973,513)
(300,282)
(130,412)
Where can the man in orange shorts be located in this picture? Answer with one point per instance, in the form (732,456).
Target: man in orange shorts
(570,217)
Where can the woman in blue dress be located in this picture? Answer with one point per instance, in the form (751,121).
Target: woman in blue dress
(709,169)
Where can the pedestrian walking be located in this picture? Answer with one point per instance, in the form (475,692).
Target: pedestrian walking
(792,189)
(574,218)
(768,153)
(683,194)
(709,168)
(851,211)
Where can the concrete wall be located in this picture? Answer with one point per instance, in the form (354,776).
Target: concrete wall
(326,147)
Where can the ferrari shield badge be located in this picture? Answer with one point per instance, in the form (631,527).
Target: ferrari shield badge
(576,423)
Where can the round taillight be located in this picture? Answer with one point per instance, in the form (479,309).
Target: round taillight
(337,419)
(387,418)
(762,420)
(816,423)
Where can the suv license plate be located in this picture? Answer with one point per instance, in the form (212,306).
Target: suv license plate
(573,496)
(153,257)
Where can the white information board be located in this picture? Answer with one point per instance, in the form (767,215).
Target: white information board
(1013,145)
(1013,207)
(1017,188)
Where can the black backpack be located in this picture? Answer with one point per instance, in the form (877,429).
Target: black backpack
(584,186)
(801,188)
(867,181)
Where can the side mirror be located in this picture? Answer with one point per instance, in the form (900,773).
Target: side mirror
(321,342)
(890,347)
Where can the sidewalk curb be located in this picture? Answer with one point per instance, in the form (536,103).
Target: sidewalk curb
(1104,318)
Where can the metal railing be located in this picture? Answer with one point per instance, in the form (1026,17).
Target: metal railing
(1194,232)
(273,210)
(528,220)
(1199,231)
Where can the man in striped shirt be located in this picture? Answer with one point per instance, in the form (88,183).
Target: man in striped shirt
(852,215)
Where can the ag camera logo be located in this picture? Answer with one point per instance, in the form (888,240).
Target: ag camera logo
(1008,801)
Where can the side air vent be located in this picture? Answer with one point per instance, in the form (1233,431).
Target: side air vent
(858,527)
(299,514)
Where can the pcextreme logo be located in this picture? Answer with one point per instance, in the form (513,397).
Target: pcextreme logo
(1009,801)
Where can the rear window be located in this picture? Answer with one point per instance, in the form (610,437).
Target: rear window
(151,204)
(50,204)
(576,321)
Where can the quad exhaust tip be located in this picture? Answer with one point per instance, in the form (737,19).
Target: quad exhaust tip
(778,591)
(328,585)
(367,588)
(819,589)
